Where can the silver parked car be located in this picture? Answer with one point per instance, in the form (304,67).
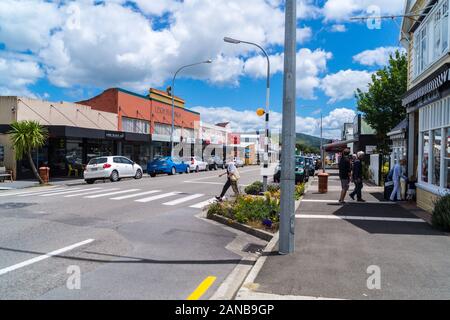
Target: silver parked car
(196,164)
(113,168)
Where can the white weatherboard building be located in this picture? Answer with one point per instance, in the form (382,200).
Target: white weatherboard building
(427,101)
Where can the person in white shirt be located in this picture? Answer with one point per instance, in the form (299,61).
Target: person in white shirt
(396,176)
(232,180)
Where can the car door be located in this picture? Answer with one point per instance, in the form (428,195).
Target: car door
(128,167)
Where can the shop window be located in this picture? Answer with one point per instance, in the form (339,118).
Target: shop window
(425,155)
(437,145)
(163,129)
(135,125)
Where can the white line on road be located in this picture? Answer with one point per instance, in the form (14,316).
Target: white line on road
(86,193)
(45,256)
(112,193)
(182,200)
(196,182)
(203,204)
(136,195)
(359,218)
(161,196)
(337,201)
(30,193)
(60,193)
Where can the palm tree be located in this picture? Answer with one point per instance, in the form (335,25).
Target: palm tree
(27,136)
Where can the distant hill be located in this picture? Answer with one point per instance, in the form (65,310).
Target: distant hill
(310,141)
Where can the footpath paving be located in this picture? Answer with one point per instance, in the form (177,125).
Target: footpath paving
(373,250)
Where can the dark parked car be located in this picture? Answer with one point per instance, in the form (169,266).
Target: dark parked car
(300,173)
(168,165)
(310,167)
(215,163)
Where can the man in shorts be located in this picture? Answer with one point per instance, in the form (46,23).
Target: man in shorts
(345,171)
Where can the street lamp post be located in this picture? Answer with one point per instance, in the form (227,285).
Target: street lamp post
(267,111)
(173,101)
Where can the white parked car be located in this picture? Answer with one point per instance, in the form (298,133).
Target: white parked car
(196,164)
(238,162)
(113,168)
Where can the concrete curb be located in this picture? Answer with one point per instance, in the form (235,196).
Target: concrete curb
(261,234)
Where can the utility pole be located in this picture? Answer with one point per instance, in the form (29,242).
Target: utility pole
(287,218)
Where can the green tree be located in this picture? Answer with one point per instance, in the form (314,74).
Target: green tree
(382,106)
(27,136)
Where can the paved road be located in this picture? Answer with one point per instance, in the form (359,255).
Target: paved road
(130,240)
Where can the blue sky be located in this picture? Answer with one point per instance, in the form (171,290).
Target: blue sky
(72,50)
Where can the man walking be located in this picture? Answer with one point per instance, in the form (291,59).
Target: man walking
(396,176)
(344,174)
(357,177)
(232,181)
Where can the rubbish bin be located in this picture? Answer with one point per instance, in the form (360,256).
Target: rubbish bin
(44,173)
(323,182)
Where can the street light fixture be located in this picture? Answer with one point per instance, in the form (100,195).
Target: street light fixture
(266,142)
(173,100)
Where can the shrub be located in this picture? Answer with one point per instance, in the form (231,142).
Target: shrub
(273,188)
(255,188)
(256,209)
(441,214)
(299,191)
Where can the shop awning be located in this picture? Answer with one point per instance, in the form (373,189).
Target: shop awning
(338,146)
(400,129)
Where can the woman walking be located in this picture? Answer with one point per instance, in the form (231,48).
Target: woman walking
(232,181)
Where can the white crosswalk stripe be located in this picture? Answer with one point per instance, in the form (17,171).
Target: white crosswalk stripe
(103,195)
(130,196)
(161,196)
(203,204)
(183,200)
(60,193)
(29,192)
(86,193)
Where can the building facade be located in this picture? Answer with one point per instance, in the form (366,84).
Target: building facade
(150,115)
(77,133)
(426,38)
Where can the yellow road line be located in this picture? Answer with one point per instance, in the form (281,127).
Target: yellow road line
(202,288)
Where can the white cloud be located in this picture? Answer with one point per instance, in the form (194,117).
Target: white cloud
(248,121)
(343,84)
(376,57)
(338,28)
(16,73)
(26,24)
(310,65)
(339,10)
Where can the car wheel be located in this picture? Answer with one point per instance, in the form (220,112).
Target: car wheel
(216,167)
(138,174)
(152,175)
(114,176)
(197,169)
(173,171)
(188,170)
(90,181)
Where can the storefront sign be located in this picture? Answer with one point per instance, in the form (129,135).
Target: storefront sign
(429,87)
(114,135)
(167,112)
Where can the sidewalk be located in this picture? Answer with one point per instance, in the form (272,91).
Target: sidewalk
(336,244)
(23,184)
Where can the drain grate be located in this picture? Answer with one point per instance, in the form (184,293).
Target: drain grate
(253,248)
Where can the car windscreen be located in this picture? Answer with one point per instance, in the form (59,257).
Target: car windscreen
(98,161)
(300,161)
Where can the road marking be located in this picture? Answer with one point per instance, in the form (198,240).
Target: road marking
(194,182)
(60,193)
(136,195)
(359,218)
(111,193)
(45,256)
(202,288)
(203,204)
(161,196)
(337,201)
(85,193)
(31,192)
(182,200)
